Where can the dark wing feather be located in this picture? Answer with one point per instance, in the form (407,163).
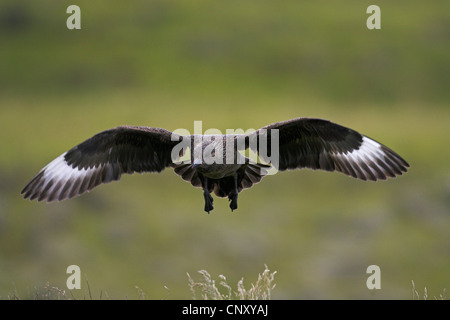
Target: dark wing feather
(101,159)
(188,174)
(321,144)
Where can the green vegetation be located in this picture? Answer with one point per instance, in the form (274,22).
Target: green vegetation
(205,289)
(241,65)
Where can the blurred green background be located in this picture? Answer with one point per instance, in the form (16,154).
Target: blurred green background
(234,64)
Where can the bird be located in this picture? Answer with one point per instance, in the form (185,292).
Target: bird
(298,143)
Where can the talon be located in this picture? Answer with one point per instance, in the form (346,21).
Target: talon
(208,207)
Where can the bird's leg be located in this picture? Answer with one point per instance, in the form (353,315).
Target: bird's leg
(233,196)
(207,196)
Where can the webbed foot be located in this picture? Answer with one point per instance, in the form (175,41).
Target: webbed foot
(208,202)
(233,198)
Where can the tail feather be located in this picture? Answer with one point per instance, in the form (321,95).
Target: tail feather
(248,175)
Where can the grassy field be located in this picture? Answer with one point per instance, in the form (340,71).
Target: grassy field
(241,65)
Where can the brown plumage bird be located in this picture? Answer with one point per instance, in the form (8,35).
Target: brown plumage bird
(302,143)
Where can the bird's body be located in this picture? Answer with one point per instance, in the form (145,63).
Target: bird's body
(215,165)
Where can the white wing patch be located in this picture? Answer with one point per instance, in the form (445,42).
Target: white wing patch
(59,181)
(372,161)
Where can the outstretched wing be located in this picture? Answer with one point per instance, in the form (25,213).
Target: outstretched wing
(321,144)
(101,159)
